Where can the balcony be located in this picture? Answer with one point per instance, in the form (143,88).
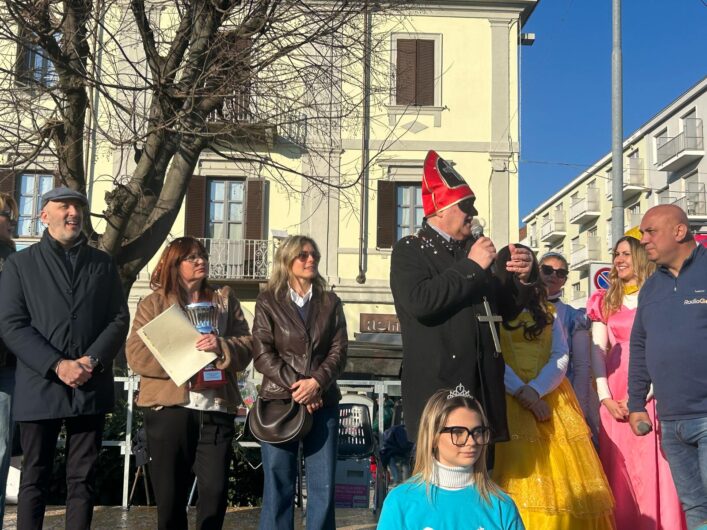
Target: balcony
(586,208)
(632,219)
(688,146)
(693,203)
(576,296)
(553,229)
(239,259)
(246,118)
(586,252)
(634,179)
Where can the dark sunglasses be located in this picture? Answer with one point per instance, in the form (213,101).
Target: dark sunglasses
(460,435)
(547,270)
(10,216)
(303,256)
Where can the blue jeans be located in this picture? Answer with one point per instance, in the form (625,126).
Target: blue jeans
(280,468)
(7,388)
(684,443)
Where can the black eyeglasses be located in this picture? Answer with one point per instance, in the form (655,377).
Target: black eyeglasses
(193,258)
(547,270)
(10,216)
(303,256)
(460,435)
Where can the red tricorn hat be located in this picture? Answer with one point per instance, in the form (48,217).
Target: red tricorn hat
(442,186)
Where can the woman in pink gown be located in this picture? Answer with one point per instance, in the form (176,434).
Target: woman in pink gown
(635,466)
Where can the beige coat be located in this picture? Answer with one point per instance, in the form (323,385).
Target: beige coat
(156,388)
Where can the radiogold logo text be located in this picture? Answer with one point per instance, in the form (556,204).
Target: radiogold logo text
(695,301)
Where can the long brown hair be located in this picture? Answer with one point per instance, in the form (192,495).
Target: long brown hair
(642,268)
(286,253)
(166,274)
(534,299)
(434,418)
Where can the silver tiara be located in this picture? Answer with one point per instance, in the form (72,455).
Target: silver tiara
(460,391)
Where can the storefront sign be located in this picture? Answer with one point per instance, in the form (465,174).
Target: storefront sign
(374,323)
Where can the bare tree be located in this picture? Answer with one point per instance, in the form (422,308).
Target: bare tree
(162,81)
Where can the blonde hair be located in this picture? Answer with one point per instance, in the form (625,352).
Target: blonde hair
(287,252)
(8,202)
(433,420)
(642,268)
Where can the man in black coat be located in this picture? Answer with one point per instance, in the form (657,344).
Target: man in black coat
(440,278)
(65,317)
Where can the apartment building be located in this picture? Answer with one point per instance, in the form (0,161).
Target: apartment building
(664,163)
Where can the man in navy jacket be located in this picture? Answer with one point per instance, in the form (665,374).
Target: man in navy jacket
(669,349)
(65,317)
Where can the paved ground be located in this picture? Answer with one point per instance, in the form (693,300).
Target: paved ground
(145,518)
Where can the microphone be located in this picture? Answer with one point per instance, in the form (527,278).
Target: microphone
(477,227)
(643,427)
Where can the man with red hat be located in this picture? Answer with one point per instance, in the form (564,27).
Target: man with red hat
(445,291)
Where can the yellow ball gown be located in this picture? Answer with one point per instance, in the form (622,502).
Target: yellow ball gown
(550,469)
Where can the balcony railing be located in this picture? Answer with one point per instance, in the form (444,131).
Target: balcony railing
(673,153)
(239,259)
(694,203)
(581,210)
(578,295)
(553,228)
(634,179)
(247,110)
(586,251)
(632,219)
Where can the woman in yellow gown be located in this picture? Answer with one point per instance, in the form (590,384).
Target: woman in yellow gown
(549,467)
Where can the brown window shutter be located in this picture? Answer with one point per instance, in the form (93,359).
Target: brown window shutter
(22,76)
(195,216)
(425,73)
(255,209)
(386,214)
(405,75)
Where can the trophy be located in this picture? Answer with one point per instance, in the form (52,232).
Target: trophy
(204,317)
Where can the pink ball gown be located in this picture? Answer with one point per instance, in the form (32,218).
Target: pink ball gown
(637,471)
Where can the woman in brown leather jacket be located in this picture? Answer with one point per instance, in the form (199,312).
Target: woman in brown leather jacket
(188,428)
(299,345)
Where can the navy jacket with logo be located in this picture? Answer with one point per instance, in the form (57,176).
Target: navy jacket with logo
(669,341)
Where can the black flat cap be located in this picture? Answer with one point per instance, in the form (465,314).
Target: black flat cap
(63,194)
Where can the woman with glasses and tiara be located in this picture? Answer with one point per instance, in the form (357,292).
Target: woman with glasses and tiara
(190,427)
(299,345)
(635,466)
(450,486)
(553,274)
(549,467)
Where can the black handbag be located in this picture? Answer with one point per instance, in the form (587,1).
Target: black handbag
(277,421)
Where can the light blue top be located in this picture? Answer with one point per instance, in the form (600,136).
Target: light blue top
(408,507)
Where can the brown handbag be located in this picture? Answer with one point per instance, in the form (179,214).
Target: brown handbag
(277,421)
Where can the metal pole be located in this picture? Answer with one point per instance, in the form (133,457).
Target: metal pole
(617,198)
(365,147)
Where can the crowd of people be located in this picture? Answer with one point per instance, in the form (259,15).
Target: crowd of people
(524,411)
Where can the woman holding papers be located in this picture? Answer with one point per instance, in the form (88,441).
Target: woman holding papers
(189,429)
(299,345)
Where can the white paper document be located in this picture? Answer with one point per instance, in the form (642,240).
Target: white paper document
(172,340)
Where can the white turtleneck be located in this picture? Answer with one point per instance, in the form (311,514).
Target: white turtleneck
(452,477)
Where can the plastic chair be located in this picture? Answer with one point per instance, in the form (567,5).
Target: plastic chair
(356,440)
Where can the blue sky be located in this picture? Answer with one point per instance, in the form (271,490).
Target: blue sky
(566,81)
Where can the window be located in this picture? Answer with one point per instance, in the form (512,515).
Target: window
(577,291)
(409,212)
(33,66)
(32,187)
(226,212)
(415,72)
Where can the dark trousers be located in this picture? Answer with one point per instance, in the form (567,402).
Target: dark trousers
(83,443)
(180,440)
